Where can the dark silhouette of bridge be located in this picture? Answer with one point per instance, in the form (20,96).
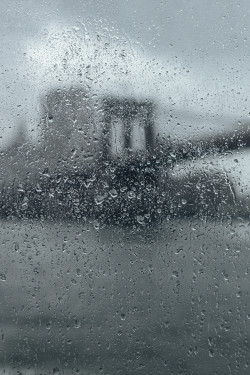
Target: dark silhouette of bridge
(74,174)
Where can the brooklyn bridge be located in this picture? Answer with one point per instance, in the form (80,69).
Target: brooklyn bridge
(104,160)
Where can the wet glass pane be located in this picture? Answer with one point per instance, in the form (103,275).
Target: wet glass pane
(124,206)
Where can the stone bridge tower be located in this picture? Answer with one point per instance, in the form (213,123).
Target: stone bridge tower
(68,129)
(128,126)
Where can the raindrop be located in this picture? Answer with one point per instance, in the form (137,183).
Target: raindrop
(150,268)
(87,183)
(99,199)
(2,276)
(211,353)
(131,195)
(123,316)
(210,341)
(16,246)
(140,219)
(96,224)
(178,251)
(226,276)
(78,272)
(113,193)
(77,324)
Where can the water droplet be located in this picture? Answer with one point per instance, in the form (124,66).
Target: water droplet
(211,353)
(150,268)
(87,183)
(226,277)
(16,246)
(175,273)
(78,272)
(77,324)
(2,276)
(131,194)
(177,251)
(113,193)
(96,224)
(140,219)
(123,316)
(99,199)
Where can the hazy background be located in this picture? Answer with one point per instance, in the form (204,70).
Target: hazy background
(209,41)
(190,56)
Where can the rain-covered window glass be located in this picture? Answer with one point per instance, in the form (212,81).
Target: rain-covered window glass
(124,180)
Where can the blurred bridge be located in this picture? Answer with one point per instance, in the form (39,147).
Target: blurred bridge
(123,127)
(105,159)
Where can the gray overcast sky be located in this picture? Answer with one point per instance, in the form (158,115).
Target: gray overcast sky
(216,29)
(206,37)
